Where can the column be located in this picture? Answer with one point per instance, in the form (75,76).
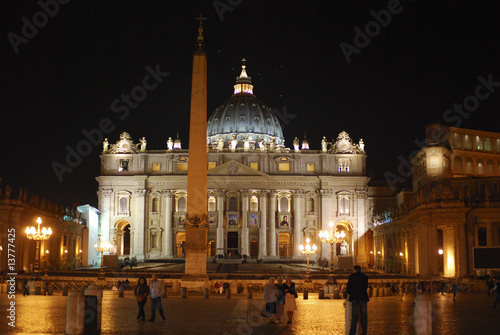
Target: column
(220,222)
(448,252)
(272,224)
(244,223)
(106,208)
(360,252)
(139,224)
(166,213)
(263,224)
(326,216)
(298,219)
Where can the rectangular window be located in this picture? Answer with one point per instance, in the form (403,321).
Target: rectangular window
(254,165)
(310,167)
(182,166)
(156,166)
(284,167)
(123,165)
(211,165)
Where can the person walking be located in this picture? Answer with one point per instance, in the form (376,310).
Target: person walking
(280,299)
(454,289)
(141,294)
(156,289)
(46,288)
(26,290)
(496,289)
(270,294)
(356,288)
(290,295)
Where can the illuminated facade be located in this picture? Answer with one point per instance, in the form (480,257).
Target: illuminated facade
(454,206)
(264,199)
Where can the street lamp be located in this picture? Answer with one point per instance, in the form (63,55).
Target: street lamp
(38,235)
(308,249)
(332,238)
(102,247)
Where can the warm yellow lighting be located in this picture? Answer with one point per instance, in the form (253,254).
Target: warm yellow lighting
(81,251)
(401,254)
(47,252)
(371,252)
(440,251)
(38,234)
(65,251)
(378,252)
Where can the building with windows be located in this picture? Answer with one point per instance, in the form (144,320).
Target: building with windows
(452,211)
(264,199)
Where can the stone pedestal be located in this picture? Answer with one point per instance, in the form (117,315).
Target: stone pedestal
(196,254)
(75,313)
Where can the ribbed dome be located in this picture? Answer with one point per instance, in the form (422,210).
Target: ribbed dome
(244,115)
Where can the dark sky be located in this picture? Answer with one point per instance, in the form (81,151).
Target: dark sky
(65,77)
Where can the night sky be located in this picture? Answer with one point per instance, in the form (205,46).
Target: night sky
(64,78)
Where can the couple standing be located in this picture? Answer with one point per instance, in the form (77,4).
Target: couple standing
(155,289)
(280,298)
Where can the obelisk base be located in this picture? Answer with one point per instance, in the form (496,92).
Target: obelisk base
(196,257)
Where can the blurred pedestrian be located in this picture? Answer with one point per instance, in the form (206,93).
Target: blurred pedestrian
(46,287)
(357,286)
(454,288)
(290,295)
(26,289)
(496,290)
(156,289)
(280,299)
(270,294)
(141,294)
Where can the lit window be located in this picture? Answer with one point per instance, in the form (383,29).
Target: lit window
(182,166)
(254,204)
(233,204)
(156,166)
(211,165)
(211,204)
(310,167)
(181,204)
(254,165)
(284,204)
(487,144)
(284,167)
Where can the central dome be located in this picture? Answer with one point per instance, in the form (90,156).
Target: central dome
(244,116)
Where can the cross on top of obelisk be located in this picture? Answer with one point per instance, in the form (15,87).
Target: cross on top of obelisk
(200,30)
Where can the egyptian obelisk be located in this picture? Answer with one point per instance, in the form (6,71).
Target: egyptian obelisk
(196,216)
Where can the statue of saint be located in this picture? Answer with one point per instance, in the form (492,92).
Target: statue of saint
(170,143)
(324,144)
(220,144)
(143,144)
(246,143)
(262,145)
(343,248)
(234,143)
(105,146)
(272,144)
(296,144)
(362,144)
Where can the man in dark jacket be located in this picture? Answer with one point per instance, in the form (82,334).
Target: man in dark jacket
(356,288)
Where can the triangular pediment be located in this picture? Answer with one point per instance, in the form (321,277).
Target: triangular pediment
(234,168)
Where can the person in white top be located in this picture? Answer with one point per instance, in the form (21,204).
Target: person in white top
(156,290)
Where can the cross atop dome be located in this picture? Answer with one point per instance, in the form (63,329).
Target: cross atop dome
(243,82)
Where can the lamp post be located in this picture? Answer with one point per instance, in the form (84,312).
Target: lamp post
(332,238)
(308,249)
(38,235)
(102,247)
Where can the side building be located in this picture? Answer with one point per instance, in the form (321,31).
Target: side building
(264,199)
(453,210)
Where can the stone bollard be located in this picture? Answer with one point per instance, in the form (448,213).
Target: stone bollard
(65,290)
(75,314)
(422,315)
(321,294)
(249,293)
(370,292)
(176,286)
(184,291)
(228,293)
(38,290)
(93,307)
(348,318)
(121,292)
(375,292)
(306,294)
(381,292)
(51,290)
(205,293)
(234,287)
(336,293)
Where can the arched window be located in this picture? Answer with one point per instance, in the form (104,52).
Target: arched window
(458,165)
(233,204)
(480,167)
(284,204)
(491,168)
(487,145)
(458,140)
(156,205)
(211,204)
(344,205)
(123,205)
(478,145)
(254,204)
(467,142)
(181,204)
(468,166)
(310,205)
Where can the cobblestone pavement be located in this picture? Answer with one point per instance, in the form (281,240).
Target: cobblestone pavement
(472,313)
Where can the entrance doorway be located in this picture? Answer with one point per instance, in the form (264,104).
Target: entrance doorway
(232,244)
(284,244)
(254,249)
(122,237)
(180,242)
(126,240)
